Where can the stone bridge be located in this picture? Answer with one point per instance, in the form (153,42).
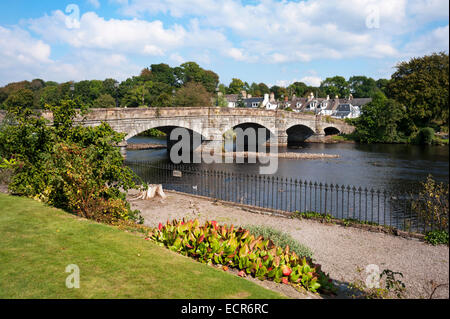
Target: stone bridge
(212,122)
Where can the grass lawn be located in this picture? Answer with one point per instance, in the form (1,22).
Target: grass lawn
(37,242)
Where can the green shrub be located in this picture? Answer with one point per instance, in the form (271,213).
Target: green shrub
(75,168)
(230,247)
(432,204)
(425,136)
(437,237)
(280,239)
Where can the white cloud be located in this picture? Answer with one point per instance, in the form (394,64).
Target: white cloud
(282,31)
(94,3)
(311,80)
(136,36)
(177,58)
(434,41)
(23,57)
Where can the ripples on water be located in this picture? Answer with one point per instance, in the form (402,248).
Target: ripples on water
(381,166)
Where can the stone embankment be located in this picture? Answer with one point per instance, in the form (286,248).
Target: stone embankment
(289,155)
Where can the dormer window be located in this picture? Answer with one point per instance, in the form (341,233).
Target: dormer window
(299,104)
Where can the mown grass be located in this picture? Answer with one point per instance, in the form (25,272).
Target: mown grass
(38,242)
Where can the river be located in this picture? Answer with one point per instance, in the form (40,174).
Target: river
(390,167)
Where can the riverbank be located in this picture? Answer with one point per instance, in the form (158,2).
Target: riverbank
(341,251)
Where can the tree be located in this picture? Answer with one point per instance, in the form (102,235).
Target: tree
(137,96)
(335,86)
(236,86)
(19,100)
(104,101)
(192,94)
(379,121)
(50,95)
(263,88)
(163,73)
(240,100)
(362,86)
(382,84)
(297,88)
(422,86)
(192,72)
(255,90)
(279,91)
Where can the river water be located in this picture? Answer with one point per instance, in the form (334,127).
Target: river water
(387,167)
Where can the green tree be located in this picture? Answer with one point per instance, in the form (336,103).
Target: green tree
(335,86)
(50,95)
(192,94)
(235,86)
(421,84)
(297,88)
(263,88)
(379,121)
(19,101)
(104,101)
(362,86)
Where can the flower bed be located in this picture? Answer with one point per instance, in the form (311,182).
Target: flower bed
(237,248)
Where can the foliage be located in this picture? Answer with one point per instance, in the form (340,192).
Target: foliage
(192,94)
(437,237)
(257,256)
(105,101)
(71,167)
(362,86)
(421,85)
(236,86)
(335,86)
(424,136)
(153,132)
(280,239)
(432,204)
(314,215)
(379,121)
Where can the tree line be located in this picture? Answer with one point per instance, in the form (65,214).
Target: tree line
(415,97)
(162,86)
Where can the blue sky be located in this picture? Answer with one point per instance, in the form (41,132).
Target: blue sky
(276,42)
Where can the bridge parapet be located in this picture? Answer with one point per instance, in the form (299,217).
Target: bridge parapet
(211,122)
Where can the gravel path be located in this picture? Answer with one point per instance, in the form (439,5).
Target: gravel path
(340,250)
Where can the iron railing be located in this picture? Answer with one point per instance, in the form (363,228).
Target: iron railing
(288,194)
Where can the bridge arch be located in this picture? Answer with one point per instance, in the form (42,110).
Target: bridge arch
(298,133)
(165,126)
(331,130)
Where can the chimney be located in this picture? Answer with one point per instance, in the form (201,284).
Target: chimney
(336,97)
(294,97)
(311,96)
(249,96)
(350,97)
(328,97)
(272,97)
(244,94)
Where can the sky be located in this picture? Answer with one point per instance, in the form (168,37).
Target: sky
(275,42)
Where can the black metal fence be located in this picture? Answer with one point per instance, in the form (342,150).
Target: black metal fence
(288,194)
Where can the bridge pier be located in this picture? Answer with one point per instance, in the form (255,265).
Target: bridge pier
(123,148)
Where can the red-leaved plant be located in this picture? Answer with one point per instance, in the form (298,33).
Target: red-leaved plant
(237,248)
